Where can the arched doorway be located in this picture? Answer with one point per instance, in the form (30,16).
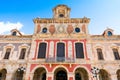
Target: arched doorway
(81,74)
(18,75)
(39,74)
(103,75)
(60,74)
(3,73)
(118,74)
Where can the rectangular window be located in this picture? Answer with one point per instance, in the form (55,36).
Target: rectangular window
(22,53)
(79,50)
(100,54)
(7,54)
(42,50)
(116,54)
(60,52)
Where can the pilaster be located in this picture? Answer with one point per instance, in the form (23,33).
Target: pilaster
(50,76)
(9,76)
(114,77)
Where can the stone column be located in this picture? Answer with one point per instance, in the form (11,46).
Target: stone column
(30,76)
(114,77)
(71,76)
(9,76)
(49,76)
(90,77)
(26,76)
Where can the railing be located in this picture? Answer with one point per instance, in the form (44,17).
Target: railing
(60,59)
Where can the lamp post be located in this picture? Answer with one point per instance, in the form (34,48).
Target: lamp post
(21,69)
(95,72)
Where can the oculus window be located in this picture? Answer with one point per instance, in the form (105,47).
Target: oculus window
(44,30)
(109,33)
(77,29)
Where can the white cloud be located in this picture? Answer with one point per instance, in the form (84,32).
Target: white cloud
(8,26)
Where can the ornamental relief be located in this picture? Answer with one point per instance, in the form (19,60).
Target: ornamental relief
(51,49)
(53,29)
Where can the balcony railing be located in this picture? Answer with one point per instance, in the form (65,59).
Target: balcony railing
(60,59)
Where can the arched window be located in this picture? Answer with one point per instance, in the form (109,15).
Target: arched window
(3,73)
(60,51)
(22,53)
(103,75)
(116,54)
(7,54)
(100,54)
(79,50)
(42,50)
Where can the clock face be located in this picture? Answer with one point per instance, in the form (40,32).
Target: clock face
(77,29)
(44,30)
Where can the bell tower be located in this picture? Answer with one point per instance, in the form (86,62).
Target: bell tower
(61,11)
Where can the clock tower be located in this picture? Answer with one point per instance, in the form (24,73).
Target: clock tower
(61,11)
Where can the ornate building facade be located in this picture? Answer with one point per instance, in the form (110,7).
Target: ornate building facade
(60,48)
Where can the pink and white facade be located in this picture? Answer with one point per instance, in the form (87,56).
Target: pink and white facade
(60,48)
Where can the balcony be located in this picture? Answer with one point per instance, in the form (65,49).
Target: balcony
(60,59)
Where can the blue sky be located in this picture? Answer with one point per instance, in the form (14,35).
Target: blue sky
(20,13)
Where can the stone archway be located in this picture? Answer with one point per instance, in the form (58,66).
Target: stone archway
(60,74)
(103,75)
(81,74)
(118,74)
(18,75)
(39,74)
(3,73)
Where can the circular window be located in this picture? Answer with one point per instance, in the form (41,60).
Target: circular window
(14,33)
(61,15)
(44,30)
(77,30)
(109,33)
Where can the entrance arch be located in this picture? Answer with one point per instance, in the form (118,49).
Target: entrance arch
(118,74)
(81,74)
(103,75)
(3,73)
(60,74)
(39,74)
(18,75)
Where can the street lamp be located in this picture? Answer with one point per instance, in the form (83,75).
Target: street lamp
(21,69)
(95,72)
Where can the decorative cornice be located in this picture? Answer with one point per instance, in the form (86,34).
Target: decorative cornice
(103,38)
(61,20)
(15,38)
